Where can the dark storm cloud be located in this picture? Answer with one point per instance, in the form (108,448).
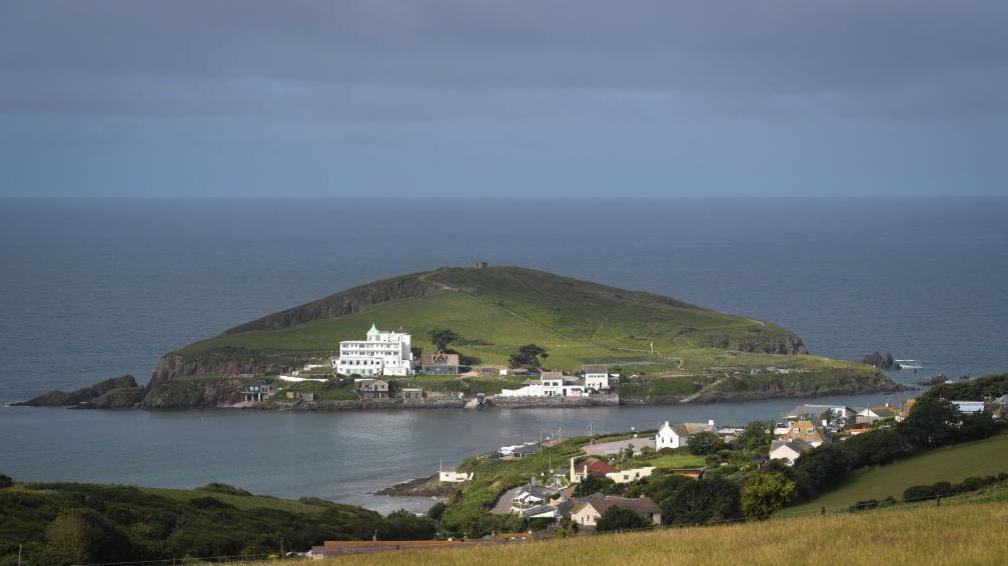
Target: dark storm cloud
(390,59)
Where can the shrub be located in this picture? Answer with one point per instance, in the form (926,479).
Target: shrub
(5,481)
(210,503)
(618,519)
(919,492)
(865,505)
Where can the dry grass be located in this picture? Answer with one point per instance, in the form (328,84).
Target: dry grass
(962,534)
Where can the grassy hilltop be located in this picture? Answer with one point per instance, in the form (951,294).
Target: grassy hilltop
(498,309)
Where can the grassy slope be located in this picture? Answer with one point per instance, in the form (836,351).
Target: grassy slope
(500,309)
(171,522)
(951,463)
(961,534)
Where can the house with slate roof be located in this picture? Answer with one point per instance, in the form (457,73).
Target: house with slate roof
(588,511)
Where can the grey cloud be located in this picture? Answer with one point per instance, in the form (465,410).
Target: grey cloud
(205,57)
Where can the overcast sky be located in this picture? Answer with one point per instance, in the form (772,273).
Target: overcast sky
(378,98)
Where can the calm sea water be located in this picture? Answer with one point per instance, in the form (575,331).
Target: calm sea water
(95,288)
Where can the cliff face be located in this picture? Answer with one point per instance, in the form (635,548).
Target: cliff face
(343,303)
(230,361)
(190,393)
(790,345)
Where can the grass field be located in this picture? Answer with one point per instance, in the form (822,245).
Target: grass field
(671,461)
(951,463)
(950,535)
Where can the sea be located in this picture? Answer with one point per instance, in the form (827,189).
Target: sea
(96,288)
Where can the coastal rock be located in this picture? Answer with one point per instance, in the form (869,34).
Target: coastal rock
(85,395)
(882,362)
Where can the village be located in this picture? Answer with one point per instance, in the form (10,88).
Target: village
(608,474)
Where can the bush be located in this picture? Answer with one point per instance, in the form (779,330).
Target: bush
(5,481)
(224,488)
(403,525)
(619,519)
(919,493)
(865,505)
(210,503)
(436,511)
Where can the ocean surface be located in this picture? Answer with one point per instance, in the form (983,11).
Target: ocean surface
(91,289)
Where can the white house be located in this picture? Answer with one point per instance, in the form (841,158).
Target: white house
(381,353)
(676,436)
(876,413)
(631,475)
(596,376)
(550,384)
(788,450)
(969,407)
(449,475)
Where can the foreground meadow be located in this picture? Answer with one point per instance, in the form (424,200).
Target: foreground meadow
(951,534)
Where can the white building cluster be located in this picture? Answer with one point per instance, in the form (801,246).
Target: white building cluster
(380,353)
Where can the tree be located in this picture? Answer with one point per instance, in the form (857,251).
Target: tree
(403,525)
(86,536)
(931,423)
(618,519)
(756,436)
(703,443)
(528,356)
(822,468)
(6,481)
(591,485)
(701,501)
(442,337)
(764,494)
(566,528)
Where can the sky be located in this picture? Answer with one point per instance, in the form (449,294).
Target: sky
(469,98)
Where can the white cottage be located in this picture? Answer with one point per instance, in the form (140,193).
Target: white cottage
(788,451)
(676,436)
(596,377)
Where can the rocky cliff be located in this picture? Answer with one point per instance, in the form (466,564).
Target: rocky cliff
(116,392)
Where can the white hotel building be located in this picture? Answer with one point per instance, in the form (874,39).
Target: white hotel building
(381,353)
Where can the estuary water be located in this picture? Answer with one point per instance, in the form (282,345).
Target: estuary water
(96,288)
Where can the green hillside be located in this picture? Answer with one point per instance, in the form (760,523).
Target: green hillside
(951,463)
(498,309)
(72,523)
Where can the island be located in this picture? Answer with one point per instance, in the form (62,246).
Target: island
(486,335)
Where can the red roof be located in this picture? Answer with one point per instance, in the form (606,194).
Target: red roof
(596,468)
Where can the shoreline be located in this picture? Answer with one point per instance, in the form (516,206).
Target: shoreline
(505,403)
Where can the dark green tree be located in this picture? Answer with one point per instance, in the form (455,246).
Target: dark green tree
(756,436)
(529,355)
(442,337)
(932,422)
(701,501)
(403,525)
(618,519)
(704,443)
